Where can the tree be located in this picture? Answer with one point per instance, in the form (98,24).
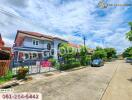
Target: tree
(68,57)
(84,57)
(99,53)
(128,52)
(111,52)
(67,52)
(129,34)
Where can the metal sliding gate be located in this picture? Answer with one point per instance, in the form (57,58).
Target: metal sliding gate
(34,66)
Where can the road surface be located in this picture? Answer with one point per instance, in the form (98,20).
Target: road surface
(113,81)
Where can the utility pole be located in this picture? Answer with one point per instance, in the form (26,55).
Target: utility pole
(84,39)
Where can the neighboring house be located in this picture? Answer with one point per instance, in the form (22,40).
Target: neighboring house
(33,46)
(75,47)
(5,58)
(90,51)
(1,41)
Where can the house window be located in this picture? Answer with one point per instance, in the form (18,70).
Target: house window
(35,42)
(52,52)
(48,46)
(26,56)
(34,55)
(40,55)
(45,53)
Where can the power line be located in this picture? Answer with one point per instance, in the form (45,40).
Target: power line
(14,16)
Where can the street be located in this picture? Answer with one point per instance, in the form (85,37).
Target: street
(113,81)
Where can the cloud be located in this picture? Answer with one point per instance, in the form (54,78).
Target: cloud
(66,18)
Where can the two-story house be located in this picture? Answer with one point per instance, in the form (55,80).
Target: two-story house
(33,45)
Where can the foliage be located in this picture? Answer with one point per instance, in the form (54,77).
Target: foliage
(111,53)
(57,65)
(84,58)
(7,77)
(129,34)
(99,53)
(70,59)
(21,74)
(53,61)
(70,65)
(128,52)
(130,23)
(104,53)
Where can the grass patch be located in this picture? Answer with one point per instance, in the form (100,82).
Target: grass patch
(6,78)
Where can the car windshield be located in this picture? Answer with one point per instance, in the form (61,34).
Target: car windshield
(96,61)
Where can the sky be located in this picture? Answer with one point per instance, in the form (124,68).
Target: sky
(68,19)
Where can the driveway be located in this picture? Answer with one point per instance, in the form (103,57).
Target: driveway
(89,83)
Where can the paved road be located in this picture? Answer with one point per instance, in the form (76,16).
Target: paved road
(86,84)
(120,87)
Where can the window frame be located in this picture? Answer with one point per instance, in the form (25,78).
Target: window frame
(35,42)
(27,57)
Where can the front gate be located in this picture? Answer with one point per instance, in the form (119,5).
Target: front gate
(34,66)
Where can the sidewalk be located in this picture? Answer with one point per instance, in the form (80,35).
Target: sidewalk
(120,87)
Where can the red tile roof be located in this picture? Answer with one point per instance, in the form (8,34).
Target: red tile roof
(35,34)
(74,45)
(19,39)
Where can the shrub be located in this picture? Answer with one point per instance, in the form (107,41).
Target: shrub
(85,60)
(69,65)
(7,77)
(99,54)
(21,74)
(57,65)
(76,64)
(53,61)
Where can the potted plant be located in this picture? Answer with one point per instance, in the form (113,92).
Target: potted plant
(21,73)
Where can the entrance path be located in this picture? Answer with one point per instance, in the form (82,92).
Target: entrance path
(91,83)
(120,87)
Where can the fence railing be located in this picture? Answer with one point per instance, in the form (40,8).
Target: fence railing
(34,66)
(4,67)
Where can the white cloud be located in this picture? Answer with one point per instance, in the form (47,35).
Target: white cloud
(64,18)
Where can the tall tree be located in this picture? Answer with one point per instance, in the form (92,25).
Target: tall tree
(111,52)
(99,53)
(127,52)
(129,34)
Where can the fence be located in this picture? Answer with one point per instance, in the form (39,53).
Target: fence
(4,67)
(34,66)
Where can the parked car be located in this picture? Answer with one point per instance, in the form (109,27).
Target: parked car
(97,63)
(128,60)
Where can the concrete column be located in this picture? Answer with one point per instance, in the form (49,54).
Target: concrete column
(55,49)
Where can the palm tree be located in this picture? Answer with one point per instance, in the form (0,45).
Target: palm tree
(129,34)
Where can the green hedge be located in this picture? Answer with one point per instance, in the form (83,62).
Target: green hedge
(69,65)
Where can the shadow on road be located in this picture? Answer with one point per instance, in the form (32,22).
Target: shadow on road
(130,79)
